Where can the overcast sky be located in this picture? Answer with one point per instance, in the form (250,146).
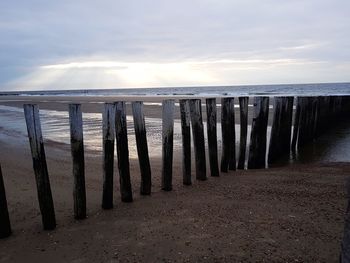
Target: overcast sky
(84,44)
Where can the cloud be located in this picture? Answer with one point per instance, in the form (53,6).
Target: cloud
(292,37)
(111,74)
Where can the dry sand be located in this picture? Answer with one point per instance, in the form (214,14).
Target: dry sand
(287,214)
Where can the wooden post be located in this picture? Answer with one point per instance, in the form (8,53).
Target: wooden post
(303,134)
(257,149)
(281,130)
(212,136)
(31,113)
(287,124)
(232,160)
(345,105)
(167,138)
(317,118)
(310,119)
(296,125)
(275,144)
(123,151)
(5,226)
(332,105)
(108,127)
(186,141)
(77,149)
(243,107)
(225,129)
(338,105)
(324,114)
(142,148)
(314,117)
(299,136)
(198,138)
(321,115)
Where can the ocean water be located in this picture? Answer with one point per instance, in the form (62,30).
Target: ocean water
(248,90)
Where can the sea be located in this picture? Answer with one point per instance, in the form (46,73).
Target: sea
(314,89)
(331,147)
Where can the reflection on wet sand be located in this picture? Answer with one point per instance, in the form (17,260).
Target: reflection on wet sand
(334,146)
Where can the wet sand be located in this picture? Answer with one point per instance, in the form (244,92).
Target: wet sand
(94,104)
(288,214)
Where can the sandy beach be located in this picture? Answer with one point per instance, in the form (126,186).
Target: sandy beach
(289,58)
(287,214)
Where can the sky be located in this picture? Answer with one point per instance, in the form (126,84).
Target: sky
(83,44)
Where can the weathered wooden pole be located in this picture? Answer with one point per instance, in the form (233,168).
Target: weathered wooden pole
(281,130)
(314,117)
(287,123)
(108,128)
(123,151)
(243,108)
(186,141)
(304,123)
(332,105)
(198,138)
(77,150)
(167,138)
(257,149)
(5,226)
(212,136)
(310,119)
(338,103)
(321,115)
(296,125)
(317,117)
(225,130)
(31,113)
(232,160)
(275,145)
(300,135)
(324,114)
(142,148)
(345,105)
(338,106)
